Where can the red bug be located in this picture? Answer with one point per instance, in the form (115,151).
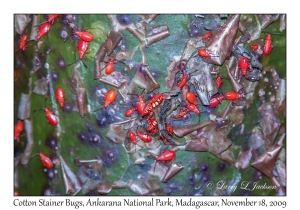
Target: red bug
(155,101)
(43,30)
(46,161)
(52,17)
(182,112)
(17,130)
(51,118)
(152,125)
(82,48)
(215,101)
(254,46)
(110,97)
(268,45)
(183,81)
(244,65)
(144,137)
(140,105)
(206,36)
(60,97)
(219,81)
(22,45)
(84,35)
(231,96)
(191,98)
(192,108)
(132,137)
(110,67)
(169,129)
(203,53)
(166,156)
(129,112)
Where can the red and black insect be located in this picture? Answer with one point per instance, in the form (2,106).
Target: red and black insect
(46,161)
(152,125)
(268,44)
(193,108)
(154,102)
(206,36)
(191,98)
(129,112)
(166,156)
(182,112)
(132,137)
(60,97)
(244,65)
(204,54)
(231,96)
(51,18)
(110,97)
(169,129)
(51,117)
(219,81)
(17,130)
(82,47)
(23,41)
(183,81)
(43,30)
(110,67)
(144,137)
(215,101)
(254,46)
(84,35)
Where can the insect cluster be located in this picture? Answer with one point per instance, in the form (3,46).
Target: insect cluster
(208,90)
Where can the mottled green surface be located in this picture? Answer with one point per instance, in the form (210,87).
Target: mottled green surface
(32,180)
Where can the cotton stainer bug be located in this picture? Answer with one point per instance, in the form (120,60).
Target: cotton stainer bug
(219,81)
(43,30)
(193,108)
(169,129)
(244,65)
(46,161)
(182,112)
(215,101)
(154,102)
(183,81)
(204,54)
(144,137)
(110,97)
(52,17)
(166,156)
(22,45)
(129,112)
(17,130)
(51,118)
(84,35)
(231,96)
(268,44)
(206,36)
(152,125)
(254,46)
(132,137)
(110,67)
(60,97)
(191,98)
(140,104)
(82,47)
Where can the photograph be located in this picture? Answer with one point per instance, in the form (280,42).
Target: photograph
(149,105)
